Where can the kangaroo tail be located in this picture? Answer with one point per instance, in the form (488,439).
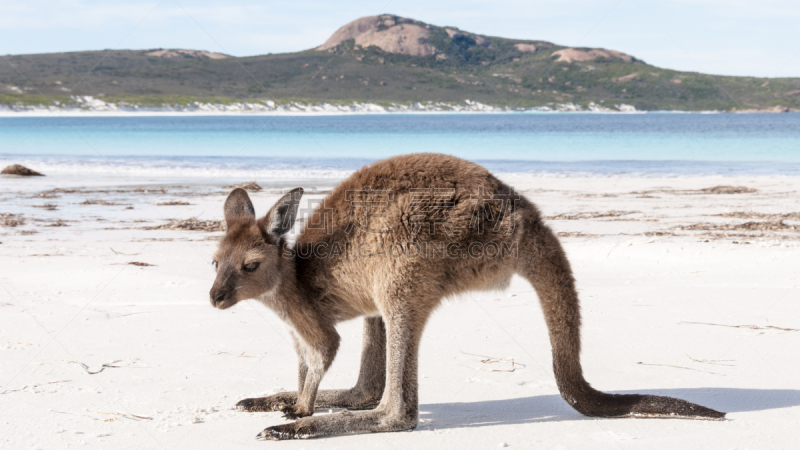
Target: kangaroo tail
(544,263)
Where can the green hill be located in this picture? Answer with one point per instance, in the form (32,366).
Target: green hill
(387,59)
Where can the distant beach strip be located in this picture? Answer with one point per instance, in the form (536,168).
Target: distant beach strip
(90,106)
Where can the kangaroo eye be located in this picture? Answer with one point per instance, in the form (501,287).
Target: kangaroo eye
(215,264)
(251,267)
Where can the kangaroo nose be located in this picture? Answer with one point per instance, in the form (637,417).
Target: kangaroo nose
(217,298)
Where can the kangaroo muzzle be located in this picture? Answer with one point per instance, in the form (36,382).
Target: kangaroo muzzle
(222,293)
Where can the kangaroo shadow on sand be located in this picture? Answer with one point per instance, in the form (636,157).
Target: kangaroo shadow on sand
(552,408)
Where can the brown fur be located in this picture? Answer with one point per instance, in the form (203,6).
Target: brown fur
(396,291)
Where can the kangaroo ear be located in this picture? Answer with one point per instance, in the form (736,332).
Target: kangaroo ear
(280,219)
(238,207)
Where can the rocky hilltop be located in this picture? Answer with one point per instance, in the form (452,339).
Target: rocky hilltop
(381,63)
(391,34)
(394,34)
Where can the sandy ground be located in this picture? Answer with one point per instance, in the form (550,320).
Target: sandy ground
(685,292)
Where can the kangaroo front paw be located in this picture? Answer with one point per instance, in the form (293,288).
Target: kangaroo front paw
(296,430)
(295,412)
(277,402)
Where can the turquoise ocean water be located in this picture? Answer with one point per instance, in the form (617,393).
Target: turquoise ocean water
(298,147)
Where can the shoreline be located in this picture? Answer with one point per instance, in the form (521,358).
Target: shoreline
(89,106)
(172,113)
(328,177)
(179,167)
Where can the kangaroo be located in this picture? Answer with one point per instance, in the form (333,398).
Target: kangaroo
(389,244)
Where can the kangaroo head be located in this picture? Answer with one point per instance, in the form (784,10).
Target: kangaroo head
(248,261)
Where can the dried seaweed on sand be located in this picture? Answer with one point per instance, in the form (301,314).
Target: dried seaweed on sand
(100,202)
(591,215)
(755,215)
(250,186)
(11,220)
(192,224)
(777,225)
(174,203)
(711,190)
(728,190)
(575,234)
(47,206)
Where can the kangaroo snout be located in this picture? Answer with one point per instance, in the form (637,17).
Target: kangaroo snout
(223,294)
(220,299)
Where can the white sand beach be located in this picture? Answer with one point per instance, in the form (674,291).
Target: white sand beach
(108,339)
(88,106)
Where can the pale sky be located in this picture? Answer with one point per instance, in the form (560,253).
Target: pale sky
(731,37)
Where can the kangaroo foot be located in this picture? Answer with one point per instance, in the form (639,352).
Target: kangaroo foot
(287,431)
(344,422)
(294,412)
(277,402)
